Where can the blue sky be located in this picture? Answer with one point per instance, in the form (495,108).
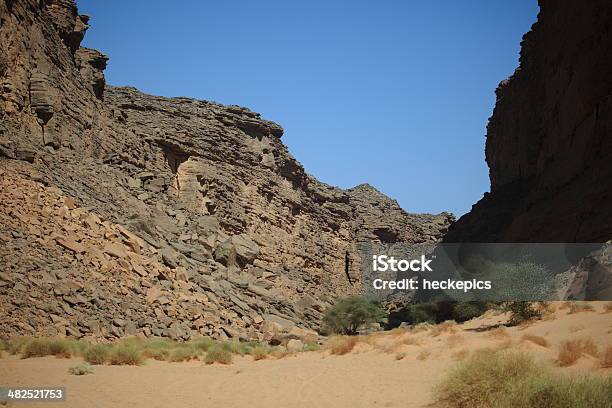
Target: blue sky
(393,93)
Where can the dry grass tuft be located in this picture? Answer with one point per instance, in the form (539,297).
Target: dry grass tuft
(341,345)
(81,369)
(259,353)
(571,350)
(454,340)
(514,380)
(605,360)
(97,354)
(539,340)
(125,354)
(217,354)
(421,327)
(449,326)
(461,354)
(499,333)
(579,307)
(400,356)
(423,355)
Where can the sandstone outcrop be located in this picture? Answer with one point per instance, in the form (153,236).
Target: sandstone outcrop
(130,214)
(549,143)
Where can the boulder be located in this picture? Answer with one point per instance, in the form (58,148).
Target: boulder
(237,250)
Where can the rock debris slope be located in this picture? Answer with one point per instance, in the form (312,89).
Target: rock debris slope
(130,214)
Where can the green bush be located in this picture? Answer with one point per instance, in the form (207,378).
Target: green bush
(422,313)
(521,311)
(502,379)
(463,311)
(348,315)
(97,354)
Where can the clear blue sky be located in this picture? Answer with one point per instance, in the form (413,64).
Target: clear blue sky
(393,93)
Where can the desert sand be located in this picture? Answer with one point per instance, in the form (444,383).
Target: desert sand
(390,369)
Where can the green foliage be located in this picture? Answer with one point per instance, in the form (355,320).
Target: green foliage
(498,379)
(81,369)
(521,311)
(348,315)
(422,313)
(463,311)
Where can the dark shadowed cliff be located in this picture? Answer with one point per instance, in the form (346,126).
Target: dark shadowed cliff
(549,140)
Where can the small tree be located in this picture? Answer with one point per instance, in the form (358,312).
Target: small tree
(521,311)
(348,315)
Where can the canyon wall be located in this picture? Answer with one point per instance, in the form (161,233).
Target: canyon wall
(549,140)
(129,214)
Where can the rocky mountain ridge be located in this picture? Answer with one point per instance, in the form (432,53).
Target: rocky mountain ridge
(130,214)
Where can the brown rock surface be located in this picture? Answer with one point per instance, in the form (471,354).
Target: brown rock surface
(549,141)
(179,216)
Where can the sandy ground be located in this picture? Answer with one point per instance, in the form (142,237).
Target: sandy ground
(369,376)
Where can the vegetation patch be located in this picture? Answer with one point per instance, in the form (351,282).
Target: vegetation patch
(350,314)
(571,350)
(81,369)
(217,354)
(495,379)
(539,340)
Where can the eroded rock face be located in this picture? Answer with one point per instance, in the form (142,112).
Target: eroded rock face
(549,144)
(125,213)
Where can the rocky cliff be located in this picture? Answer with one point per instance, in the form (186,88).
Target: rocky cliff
(123,213)
(549,140)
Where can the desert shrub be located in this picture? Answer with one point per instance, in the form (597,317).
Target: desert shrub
(35,348)
(508,379)
(125,354)
(183,354)
(539,340)
(605,360)
(348,315)
(218,354)
(259,352)
(422,313)
(202,343)
(81,369)
(16,345)
(311,347)
(578,307)
(62,348)
(97,354)
(448,326)
(463,311)
(235,347)
(159,354)
(571,350)
(340,345)
(521,311)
